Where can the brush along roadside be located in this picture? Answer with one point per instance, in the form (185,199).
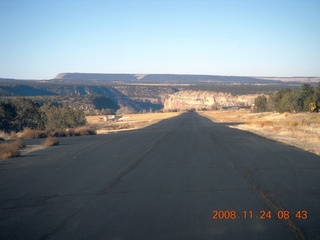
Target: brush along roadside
(17,148)
(10,149)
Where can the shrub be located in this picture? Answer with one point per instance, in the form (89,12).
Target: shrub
(8,150)
(261,103)
(58,133)
(84,130)
(70,132)
(50,141)
(29,133)
(78,131)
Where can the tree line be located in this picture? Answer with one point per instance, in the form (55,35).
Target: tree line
(23,113)
(307,98)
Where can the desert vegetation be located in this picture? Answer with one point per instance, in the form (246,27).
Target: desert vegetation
(28,133)
(50,141)
(307,98)
(23,118)
(10,149)
(43,117)
(240,89)
(21,113)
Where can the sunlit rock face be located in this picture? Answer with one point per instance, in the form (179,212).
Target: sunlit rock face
(185,100)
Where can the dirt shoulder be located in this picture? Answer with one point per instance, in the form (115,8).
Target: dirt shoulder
(127,121)
(30,148)
(297,129)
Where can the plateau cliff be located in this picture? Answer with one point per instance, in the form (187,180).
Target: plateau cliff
(198,100)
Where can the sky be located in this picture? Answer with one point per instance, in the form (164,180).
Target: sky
(275,38)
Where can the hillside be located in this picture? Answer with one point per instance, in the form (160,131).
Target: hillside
(150,99)
(141,92)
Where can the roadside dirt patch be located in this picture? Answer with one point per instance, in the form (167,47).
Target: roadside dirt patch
(296,129)
(31,148)
(127,122)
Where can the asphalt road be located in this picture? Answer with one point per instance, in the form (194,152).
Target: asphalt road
(166,181)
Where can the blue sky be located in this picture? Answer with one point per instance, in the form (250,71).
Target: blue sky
(42,38)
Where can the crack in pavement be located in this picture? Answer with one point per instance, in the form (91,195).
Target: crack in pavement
(264,195)
(114,183)
(58,228)
(137,162)
(267,199)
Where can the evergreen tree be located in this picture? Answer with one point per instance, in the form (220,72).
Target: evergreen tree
(7,116)
(305,96)
(62,117)
(261,103)
(27,114)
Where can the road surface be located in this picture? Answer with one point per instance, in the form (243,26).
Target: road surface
(166,181)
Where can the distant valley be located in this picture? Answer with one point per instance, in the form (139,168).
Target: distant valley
(146,92)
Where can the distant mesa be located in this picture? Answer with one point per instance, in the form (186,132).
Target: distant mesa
(159,78)
(175,78)
(60,76)
(140,76)
(95,77)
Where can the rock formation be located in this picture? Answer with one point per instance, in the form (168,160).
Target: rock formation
(186,100)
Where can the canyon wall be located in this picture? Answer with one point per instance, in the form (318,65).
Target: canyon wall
(186,100)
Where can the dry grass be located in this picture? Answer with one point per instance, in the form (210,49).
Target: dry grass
(8,136)
(130,121)
(10,149)
(50,141)
(60,133)
(297,129)
(78,131)
(84,130)
(29,133)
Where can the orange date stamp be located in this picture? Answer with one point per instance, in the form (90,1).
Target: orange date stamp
(261,215)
